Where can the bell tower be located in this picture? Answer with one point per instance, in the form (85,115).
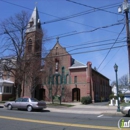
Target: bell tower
(34,36)
(32,53)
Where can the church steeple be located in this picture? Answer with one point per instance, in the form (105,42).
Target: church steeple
(34,22)
(34,35)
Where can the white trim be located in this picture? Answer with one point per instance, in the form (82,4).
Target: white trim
(7,81)
(77,67)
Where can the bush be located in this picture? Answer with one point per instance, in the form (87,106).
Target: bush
(86,100)
(112,96)
(115,97)
(121,97)
(12,99)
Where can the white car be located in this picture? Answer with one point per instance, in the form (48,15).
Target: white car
(126,110)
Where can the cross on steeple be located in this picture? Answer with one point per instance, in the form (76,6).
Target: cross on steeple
(36,4)
(57,39)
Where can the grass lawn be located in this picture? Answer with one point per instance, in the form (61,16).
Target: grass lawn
(2,101)
(57,104)
(125,104)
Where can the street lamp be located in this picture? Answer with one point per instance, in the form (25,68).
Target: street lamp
(118,104)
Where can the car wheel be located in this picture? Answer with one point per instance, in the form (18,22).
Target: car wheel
(9,107)
(29,108)
(129,113)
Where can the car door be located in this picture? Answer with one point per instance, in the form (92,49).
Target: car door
(24,103)
(17,102)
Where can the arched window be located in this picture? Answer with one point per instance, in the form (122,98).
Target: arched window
(67,79)
(63,75)
(37,46)
(29,45)
(56,65)
(63,71)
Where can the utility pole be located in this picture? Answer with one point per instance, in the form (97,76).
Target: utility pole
(125,8)
(128,36)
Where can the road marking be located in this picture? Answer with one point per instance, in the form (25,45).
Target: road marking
(60,123)
(100,116)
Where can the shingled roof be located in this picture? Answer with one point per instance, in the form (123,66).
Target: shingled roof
(76,64)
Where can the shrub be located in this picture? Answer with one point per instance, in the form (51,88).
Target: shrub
(115,97)
(121,97)
(86,100)
(12,99)
(112,96)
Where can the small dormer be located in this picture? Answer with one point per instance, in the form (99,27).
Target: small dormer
(34,23)
(39,24)
(31,22)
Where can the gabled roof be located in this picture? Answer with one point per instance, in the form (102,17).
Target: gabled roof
(76,64)
(57,45)
(35,20)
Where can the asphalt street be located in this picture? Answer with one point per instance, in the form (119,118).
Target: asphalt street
(47,120)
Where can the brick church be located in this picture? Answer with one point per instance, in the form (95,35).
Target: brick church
(70,79)
(61,74)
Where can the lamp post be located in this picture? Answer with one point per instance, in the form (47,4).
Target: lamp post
(118,104)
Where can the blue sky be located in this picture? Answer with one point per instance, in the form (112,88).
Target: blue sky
(82,43)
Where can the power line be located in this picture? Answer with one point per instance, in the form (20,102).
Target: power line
(102,49)
(110,59)
(49,15)
(77,14)
(91,7)
(92,29)
(111,47)
(76,32)
(91,42)
(95,46)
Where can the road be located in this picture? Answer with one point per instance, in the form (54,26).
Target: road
(46,120)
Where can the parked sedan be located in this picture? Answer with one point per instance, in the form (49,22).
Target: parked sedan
(26,103)
(126,110)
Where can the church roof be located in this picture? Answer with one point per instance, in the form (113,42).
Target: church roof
(76,64)
(34,22)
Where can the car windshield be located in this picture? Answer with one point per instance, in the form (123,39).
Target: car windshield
(34,100)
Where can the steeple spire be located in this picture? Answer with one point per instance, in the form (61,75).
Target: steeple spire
(34,22)
(57,39)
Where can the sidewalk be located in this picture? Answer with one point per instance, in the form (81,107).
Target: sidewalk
(78,108)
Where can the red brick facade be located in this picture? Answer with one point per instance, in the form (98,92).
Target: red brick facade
(80,80)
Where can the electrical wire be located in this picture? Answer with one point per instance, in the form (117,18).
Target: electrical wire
(93,7)
(92,42)
(47,14)
(111,47)
(94,46)
(75,15)
(102,49)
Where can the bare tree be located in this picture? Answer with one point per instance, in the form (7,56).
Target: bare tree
(13,43)
(123,82)
(113,83)
(33,74)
